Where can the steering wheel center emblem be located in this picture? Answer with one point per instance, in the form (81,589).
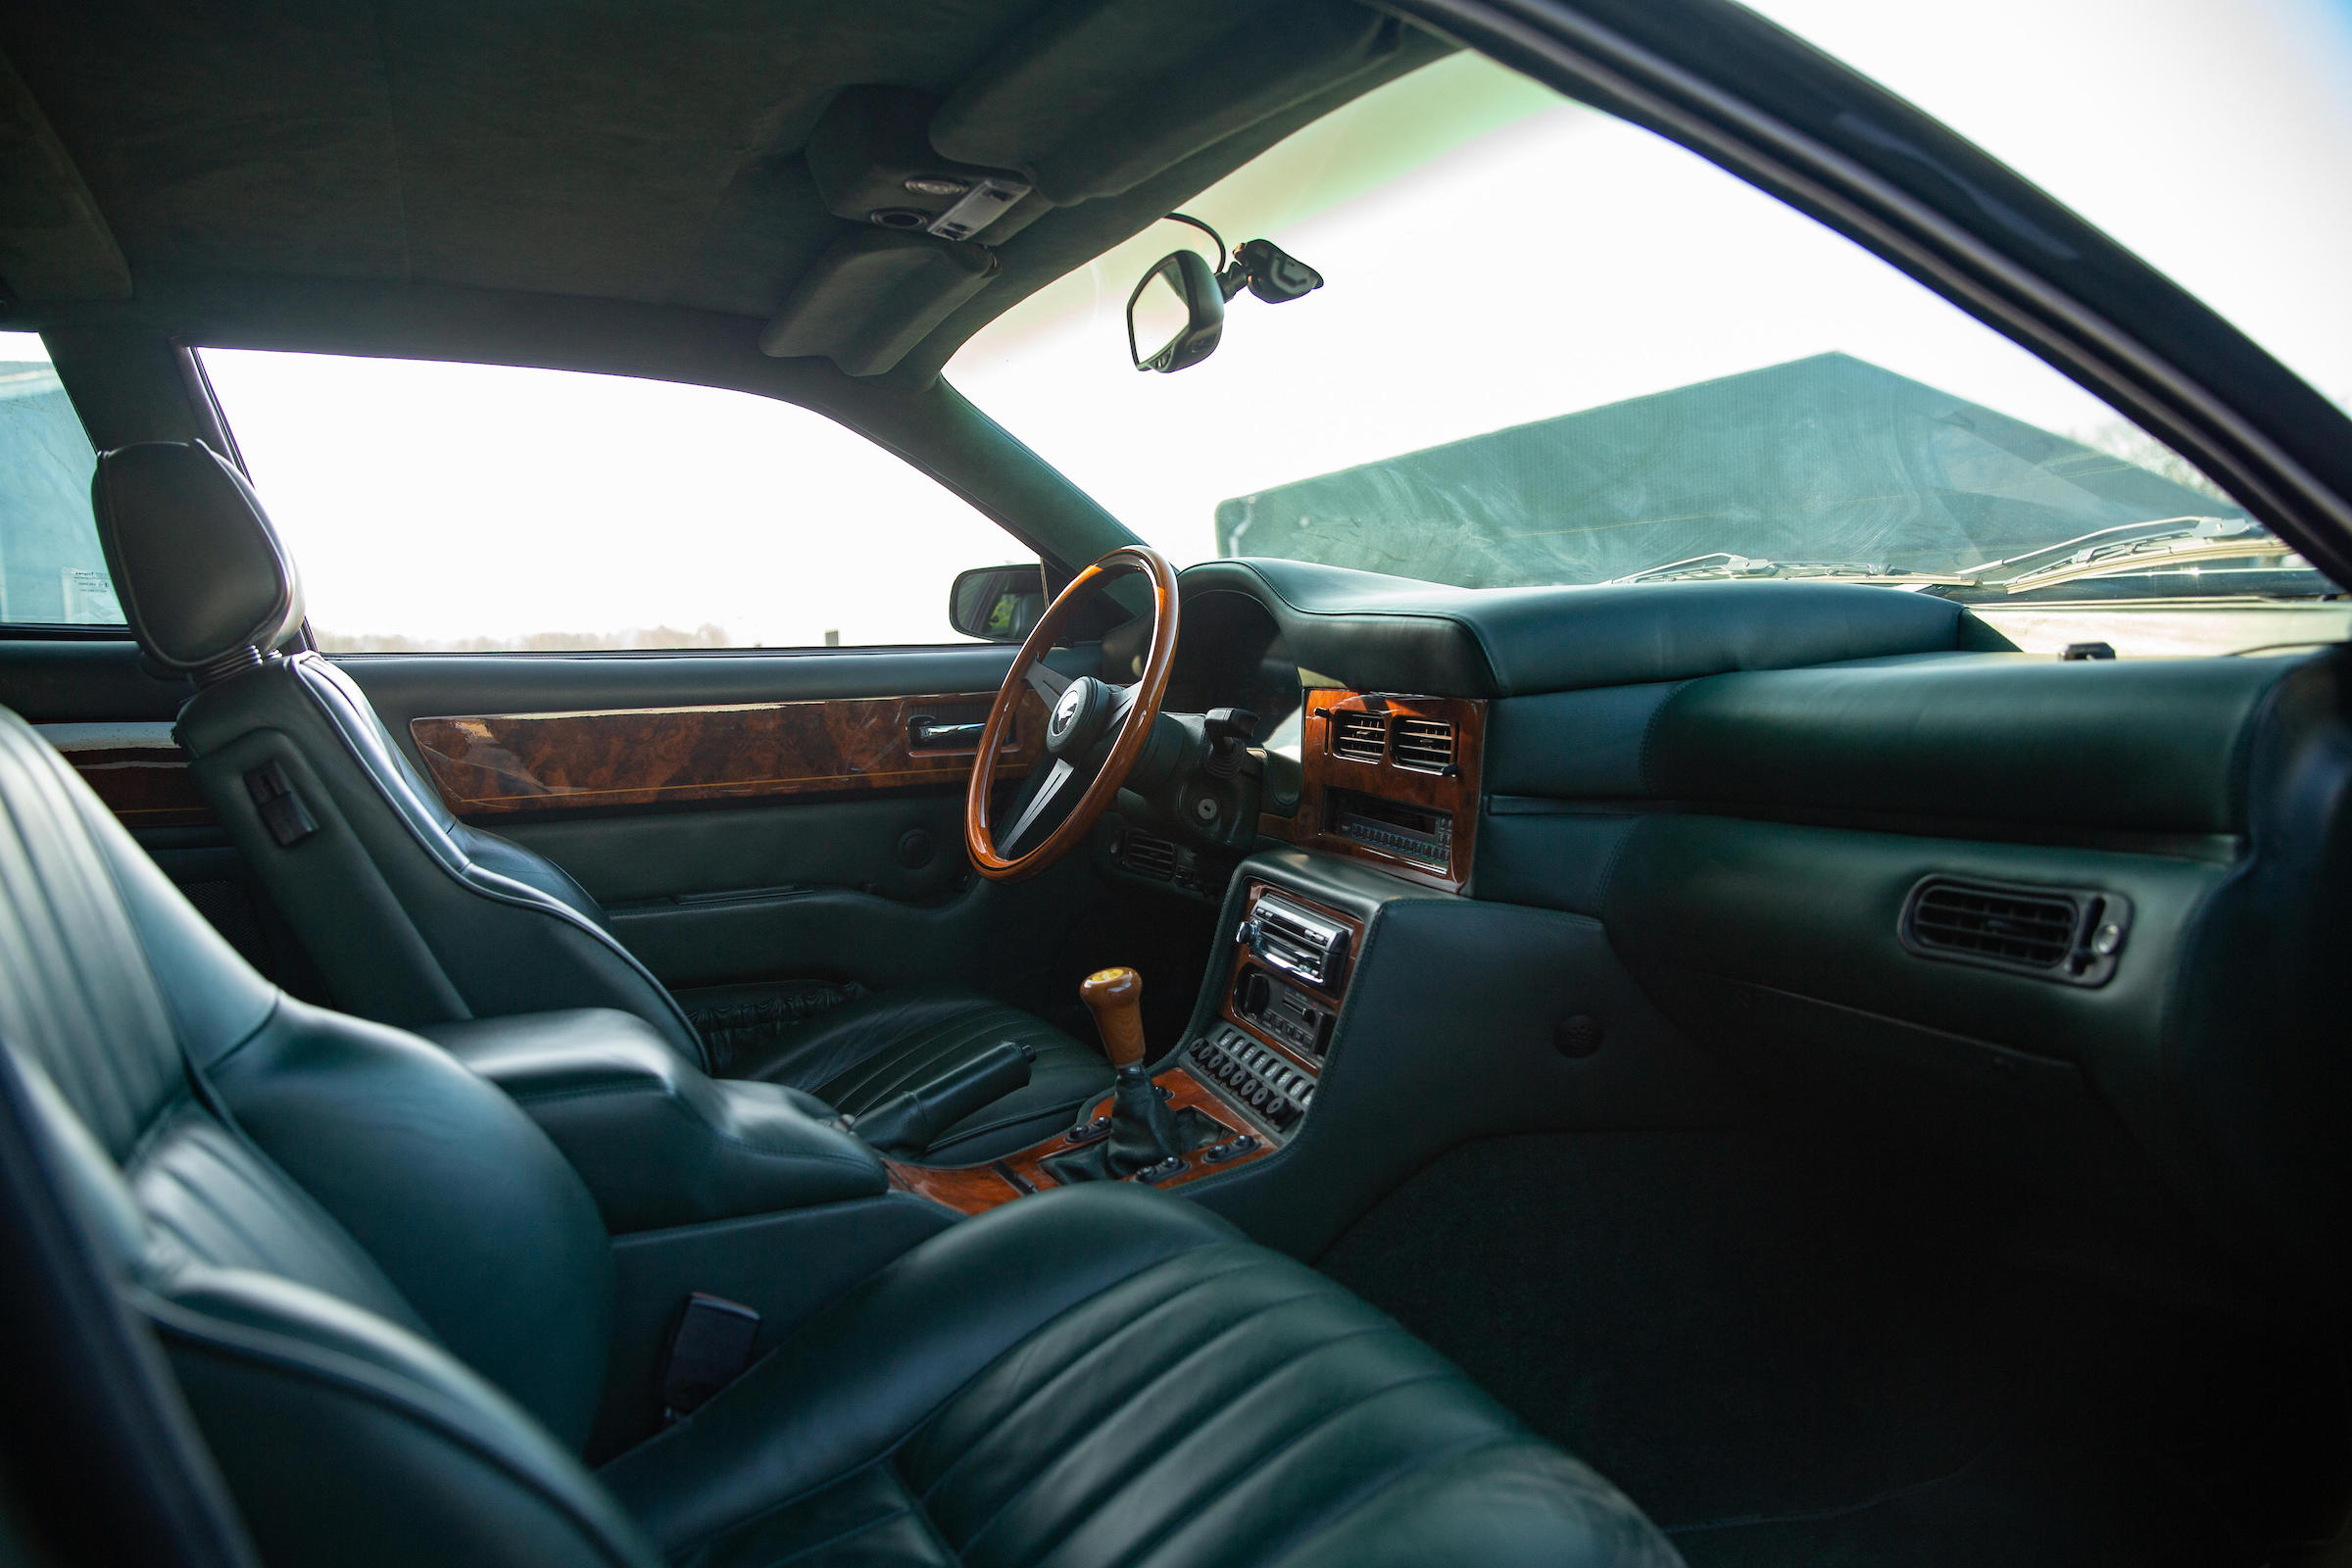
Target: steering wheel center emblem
(1066,711)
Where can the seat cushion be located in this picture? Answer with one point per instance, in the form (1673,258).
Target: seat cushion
(1104,1375)
(860,1053)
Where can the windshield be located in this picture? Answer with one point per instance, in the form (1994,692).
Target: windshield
(1551,348)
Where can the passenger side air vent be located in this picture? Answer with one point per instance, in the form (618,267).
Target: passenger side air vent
(1360,737)
(1147,854)
(2064,934)
(1426,744)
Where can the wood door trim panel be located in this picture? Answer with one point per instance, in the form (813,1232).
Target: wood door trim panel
(138,770)
(486,765)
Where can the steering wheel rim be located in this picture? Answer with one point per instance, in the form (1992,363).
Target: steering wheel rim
(979,840)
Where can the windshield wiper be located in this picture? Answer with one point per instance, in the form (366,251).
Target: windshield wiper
(1723,565)
(2161,543)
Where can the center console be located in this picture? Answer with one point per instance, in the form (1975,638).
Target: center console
(1248,1079)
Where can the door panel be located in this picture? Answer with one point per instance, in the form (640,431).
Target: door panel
(752,816)
(751,853)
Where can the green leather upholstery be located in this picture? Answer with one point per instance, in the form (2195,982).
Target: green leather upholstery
(1381,633)
(1179,1397)
(414,917)
(388,1300)
(660,1144)
(863,1053)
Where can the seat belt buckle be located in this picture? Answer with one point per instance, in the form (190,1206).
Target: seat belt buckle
(282,812)
(710,1350)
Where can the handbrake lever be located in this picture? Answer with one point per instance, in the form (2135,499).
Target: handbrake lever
(907,1123)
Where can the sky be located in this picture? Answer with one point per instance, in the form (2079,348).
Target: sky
(1494,255)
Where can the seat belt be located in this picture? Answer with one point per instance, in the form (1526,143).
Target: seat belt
(710,1350)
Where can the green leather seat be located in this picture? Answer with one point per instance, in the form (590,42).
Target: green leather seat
(389,1302)
(416,918)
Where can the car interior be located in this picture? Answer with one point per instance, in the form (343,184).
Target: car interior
(1392,1039)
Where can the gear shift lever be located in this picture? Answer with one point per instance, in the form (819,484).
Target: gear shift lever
(1143,1133)
(1116,997)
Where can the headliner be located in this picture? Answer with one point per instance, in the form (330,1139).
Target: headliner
(649,154)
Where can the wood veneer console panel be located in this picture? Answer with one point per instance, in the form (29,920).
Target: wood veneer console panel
(971,1189)
(137,770)
(1453,792)
(496,764)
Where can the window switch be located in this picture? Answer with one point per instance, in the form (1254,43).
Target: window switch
(282,812)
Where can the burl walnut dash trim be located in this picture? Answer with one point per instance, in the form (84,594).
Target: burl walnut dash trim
(974,1189)
(507,763)
(1455,793)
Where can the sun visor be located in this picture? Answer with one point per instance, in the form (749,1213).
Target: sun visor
(872,296)
(1101,95)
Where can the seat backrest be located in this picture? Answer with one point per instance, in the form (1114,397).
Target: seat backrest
(386,1296)
(413,917)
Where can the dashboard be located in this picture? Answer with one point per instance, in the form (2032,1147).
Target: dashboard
(1823,827)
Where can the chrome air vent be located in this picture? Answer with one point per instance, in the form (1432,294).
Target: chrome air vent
(1147,854)
(1426,744)
(1360,737)
(2064,934)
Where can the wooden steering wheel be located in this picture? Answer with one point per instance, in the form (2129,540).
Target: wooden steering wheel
(1094,730)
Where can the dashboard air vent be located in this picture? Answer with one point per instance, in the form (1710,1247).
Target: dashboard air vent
(1360,737)
(1426,744)
(2059,933)
(1147,854)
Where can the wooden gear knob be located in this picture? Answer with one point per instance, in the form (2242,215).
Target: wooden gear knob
(1116,999)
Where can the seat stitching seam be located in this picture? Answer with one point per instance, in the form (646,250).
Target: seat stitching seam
(891,1451)
(1303,1535)
(1192,1353)
(1026,1487)
(1202,1283)
(1260,1457)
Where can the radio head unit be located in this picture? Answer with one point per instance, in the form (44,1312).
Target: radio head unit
(1296,940)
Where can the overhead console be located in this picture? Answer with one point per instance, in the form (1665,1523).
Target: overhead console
(1390,779)
(1087,102)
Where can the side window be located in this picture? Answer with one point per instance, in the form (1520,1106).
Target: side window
(52,572)
(471,509)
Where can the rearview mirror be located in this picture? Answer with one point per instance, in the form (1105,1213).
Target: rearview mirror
(996,604)
(1176,314)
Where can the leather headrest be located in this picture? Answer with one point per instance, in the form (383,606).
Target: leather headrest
(198,569)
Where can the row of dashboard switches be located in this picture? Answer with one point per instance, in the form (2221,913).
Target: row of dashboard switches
(1260,1079)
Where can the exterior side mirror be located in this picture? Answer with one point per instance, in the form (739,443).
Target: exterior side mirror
(998,603)
(1176,314)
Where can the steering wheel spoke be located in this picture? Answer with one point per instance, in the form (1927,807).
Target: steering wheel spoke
(1055,785)
(1048,682)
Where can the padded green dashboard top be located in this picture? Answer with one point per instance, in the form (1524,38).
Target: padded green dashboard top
(1384,633)
(2149,745)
